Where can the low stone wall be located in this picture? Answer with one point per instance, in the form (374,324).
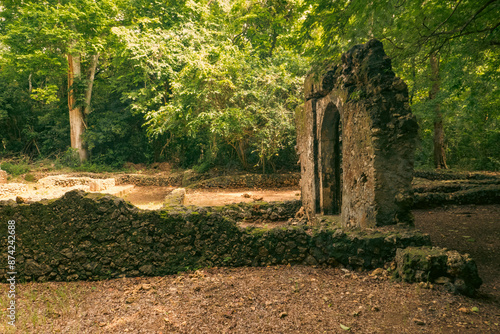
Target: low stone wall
(458,272)
(264,211)
(203,181)
(141,180)
(250,181)
(11,189)
(87,236)
(489,194)
(68,181)
(447,175)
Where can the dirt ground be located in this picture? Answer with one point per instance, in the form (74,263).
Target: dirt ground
(151,198)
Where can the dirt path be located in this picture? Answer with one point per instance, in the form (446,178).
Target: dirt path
(250,300)
(151,198)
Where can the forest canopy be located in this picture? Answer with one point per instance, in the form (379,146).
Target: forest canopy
(216,82)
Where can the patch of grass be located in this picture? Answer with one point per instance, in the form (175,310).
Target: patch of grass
(41,306)
(16,169)
(91,167)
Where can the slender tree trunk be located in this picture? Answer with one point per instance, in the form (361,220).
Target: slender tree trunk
(76,115)
(439,142)
(90,82)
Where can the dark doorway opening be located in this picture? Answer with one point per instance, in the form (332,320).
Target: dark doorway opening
(330,162)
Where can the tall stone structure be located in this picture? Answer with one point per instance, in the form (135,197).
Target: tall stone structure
(356,140)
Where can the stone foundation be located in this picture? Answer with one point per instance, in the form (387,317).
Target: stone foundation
(64,181)
(12,189)
(89,236)
(458,272)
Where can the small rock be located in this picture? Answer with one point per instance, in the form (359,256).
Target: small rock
(425,285)
(377,272)
(418,322)
(20,200)
(464,310)
(442,280)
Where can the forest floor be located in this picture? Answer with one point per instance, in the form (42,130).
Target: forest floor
(278,299)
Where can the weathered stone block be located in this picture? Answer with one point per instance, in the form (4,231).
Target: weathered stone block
(437,265)
(176,197)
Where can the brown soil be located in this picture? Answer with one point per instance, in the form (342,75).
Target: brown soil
(151,198)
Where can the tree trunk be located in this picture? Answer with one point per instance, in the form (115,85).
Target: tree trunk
(439,140)
(90,82)
(76,116)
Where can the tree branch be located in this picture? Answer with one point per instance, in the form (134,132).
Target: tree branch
(442,23)
(477,13)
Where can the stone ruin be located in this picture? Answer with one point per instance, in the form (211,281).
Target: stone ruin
(356,139)
(87,183)
(3,177)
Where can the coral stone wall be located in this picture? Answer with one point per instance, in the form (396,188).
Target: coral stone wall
(88,236)
(378,139)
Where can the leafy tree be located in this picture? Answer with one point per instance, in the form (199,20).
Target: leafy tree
(197,82)
(42,34)
(421,37)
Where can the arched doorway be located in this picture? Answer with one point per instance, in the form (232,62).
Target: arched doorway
(330,162)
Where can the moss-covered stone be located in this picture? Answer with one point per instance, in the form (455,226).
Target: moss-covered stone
(426,264)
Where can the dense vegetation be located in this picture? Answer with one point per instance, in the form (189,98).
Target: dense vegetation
(216,82)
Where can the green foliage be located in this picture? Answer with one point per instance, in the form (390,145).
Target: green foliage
(15,168)
(200,87)
(70,158)
(205,83)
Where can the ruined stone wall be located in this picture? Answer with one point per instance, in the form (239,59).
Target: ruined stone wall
(68,181)
(378,139)
(88,236)
(306,149)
